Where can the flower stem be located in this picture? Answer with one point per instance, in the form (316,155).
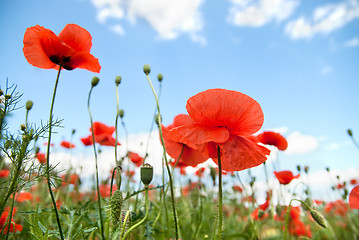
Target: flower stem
(166,161)
(48,156)
(95,152)
(220,200)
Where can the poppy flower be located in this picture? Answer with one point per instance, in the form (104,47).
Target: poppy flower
(103,135)
(354,198)
(298,228)
(353,181)
(200,172)
(237,188)
(4,173)
(337,207)
(67,144)
(273,138)
(190,156)
(135,158)
(13,225)
(285,177)
(41,157)
(87,141)
(23,196)
(74,179)
(70,49)
(223,118)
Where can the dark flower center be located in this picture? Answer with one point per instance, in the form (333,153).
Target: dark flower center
(63,61)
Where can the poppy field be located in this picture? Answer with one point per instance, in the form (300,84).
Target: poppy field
(220,136)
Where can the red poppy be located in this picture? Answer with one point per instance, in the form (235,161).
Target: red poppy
(298,228)
(190,156)
(70,49)
(4,173)
(273,138)
(285,177)
(87,141)
(105,190)
(200,172)
(223,118)
(23,196)
(67,144)
(135,158)
(353,181)
(237,188)
(337,207)
(41,157)
(354,198)
(13,225)
(340,186)
(103,135)
(74,178)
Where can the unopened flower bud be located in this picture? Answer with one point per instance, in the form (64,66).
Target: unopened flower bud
(29,105)
(350,132)
(116,205)
(328,169)
(158,118)
(7,96)
(213,175)
(160,77)
(299,168)
(121,113)
(73,131)
(146,173)
(118,80)
(318,218)
(95,81)
(22,127)
(306,169)
(1,92)
(146,69)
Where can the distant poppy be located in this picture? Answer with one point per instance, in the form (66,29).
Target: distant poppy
(103,135)
(273,138)
(23,196)
(341,185)
(74,179)
(298,228)
(87,141)
(4,225)
(285,177)
(4,173)
(41,157)
(353,181)
(223,118)
(67,144)
(237,188)
(354,198)
(337,207)
(200,172)
(105,190)
(190,156)
(135,158)
(70,49)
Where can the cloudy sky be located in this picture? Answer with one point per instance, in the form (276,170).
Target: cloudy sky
(299,59)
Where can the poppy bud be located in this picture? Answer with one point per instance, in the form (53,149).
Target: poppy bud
(158,118)
(318,218)
(350,132)
(146,173)
(73,131)
(160,77)
(7,96)
(146,69)
(118,80)
(327,169)
(306,169)
(195,197)
(22,127)
(121,113)
(95,81)
(7,144)
(116,205)
(29,105)
(213,175)
(299,168)
(260,213)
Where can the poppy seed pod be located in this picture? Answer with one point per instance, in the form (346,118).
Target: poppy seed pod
(118,80)
(350,132)
(160,77)
(146,69)
(95,81)
(29,105)
(121,113)
(146,174)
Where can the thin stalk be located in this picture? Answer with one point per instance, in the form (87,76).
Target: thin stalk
(166,161)
(220,200)
(95,152)
(10,215)
(48,156)
(116,121)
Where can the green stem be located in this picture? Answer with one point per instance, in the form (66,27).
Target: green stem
(95,152)
(165,156)
(147,204)
(10,216)
(220,200)
(48,156)
(117,115)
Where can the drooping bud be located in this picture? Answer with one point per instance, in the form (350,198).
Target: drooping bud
(118,80)
(146,174)
(160,77)
(318,218)
(350,132)
(146,69)
(299,168)
(260,213)
(328,169)
(213,175)
(195,194)
(121,113)
(29,105)
(73,131)
(116,205)
(306,169)
(95,81)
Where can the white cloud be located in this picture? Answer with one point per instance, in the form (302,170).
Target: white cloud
(169,18)
(118,29)
(299,143)
(325,19)
(354,42)
(258,13)
(326,70)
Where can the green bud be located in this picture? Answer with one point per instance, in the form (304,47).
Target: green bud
(328,170)
(118,80)
(29,105)
(7,144)
(195,194)
(1,92)
(160,77)
(158,118)
(121,113)
(299,168)
(95,81)
(146,174)
(350,132)
(318,218)
(260,213)
(116,205)
(306,169)
(7,96)
(146,69)
(22,127)
(73,131)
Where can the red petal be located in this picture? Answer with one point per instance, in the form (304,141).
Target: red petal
(239,113)
(85,60)
(100,128)
(354,198)
(238,153)
(76,37)
(273,138)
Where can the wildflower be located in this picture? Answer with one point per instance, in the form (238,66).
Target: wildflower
(67,144)
(4,173)
(190,156)
(70,49)
(41,157)
(354,198)
(237,188)
(103,135)
(353,181)
(4,225)
(135,158)
(223,118)
(23,196)
(285,177)
(273,138)
(200,172)
(74,179)
(337,207)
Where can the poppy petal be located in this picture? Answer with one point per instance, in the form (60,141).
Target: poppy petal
(273,138)
(76,37)
(239,153)
(239,113)
(354,198)
(84,60)
(193,135)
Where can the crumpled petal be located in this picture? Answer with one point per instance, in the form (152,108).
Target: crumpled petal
(354,198)
(76,37)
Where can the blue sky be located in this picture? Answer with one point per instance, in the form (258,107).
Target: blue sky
(298,59)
